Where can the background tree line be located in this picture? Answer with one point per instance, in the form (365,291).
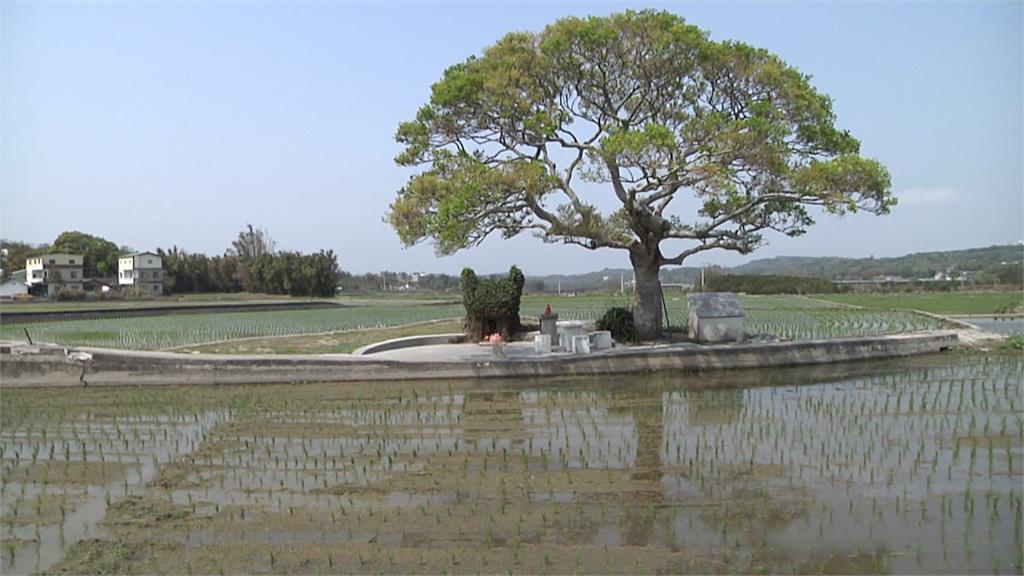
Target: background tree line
(283,272)
(99,255)
(389,280)
(251,264)
(766,284)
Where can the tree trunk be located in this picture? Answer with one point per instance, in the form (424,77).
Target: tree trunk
(647,307)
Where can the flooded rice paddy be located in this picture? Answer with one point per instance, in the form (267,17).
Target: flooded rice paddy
(900,466)
(1005,325)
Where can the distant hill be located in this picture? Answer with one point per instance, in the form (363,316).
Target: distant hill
(919,265)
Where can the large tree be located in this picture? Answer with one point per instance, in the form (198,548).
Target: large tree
(252,243)
(646,108)
(99,254)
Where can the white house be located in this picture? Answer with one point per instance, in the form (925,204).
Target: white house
(47,274)
(143,269)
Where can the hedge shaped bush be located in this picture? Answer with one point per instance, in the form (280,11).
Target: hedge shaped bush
(493,298)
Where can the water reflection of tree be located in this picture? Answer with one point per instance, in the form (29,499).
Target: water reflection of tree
(714,407)
(644,403)
(722,405)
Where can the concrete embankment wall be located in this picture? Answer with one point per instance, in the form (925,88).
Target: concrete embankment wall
(22,366)
(410,342)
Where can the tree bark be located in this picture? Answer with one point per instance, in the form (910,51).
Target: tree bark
(647,306)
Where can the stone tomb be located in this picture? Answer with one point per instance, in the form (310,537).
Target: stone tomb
(715,317)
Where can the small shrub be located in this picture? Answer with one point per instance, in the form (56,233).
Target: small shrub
(98,295)
(136,293)
(1015,342)
(619,321)
(1009,308)
(64,294)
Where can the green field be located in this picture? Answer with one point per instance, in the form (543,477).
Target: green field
(937,302)
(171,331)
(786,317)
(335,343)
(221,299)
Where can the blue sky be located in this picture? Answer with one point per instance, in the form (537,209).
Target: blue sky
(154,124)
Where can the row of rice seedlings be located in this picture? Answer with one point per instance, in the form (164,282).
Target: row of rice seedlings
(66,459)
(789,318)
(160,332)
(835,323)
(906,448)
(883,441)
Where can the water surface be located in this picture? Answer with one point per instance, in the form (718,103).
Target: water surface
(913,465)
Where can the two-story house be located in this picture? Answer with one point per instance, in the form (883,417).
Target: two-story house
(49,273)
(143,269)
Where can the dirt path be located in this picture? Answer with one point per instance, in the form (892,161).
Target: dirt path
(970,336)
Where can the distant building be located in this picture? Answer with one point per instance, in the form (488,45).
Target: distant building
(143,269)
(715,317)
(99,284)
(50,273)
(14,286)
(968,275)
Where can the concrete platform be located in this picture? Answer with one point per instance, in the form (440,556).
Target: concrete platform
(467,353)
(49,365)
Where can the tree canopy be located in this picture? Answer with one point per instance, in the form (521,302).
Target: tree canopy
(99,255)
(16,253)
(253,264)
(646,107)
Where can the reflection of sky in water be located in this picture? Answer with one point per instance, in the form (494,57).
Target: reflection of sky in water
(1004,326)
(141,443)
(585,433)
(884,436)
(905,460)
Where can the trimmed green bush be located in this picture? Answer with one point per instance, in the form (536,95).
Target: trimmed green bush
(619,321)
(492,304)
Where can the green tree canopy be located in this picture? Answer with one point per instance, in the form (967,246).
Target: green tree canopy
(99,255)
(13,259)
(648,108)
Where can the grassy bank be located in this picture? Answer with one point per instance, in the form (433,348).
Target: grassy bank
(936,302)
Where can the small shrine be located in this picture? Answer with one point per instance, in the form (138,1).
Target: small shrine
(715,317)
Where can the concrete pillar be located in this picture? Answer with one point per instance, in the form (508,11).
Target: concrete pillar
(542,344)
(549,327)
(602,339)
(581,344)
(568,330)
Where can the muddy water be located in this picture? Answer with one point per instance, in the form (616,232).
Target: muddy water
(901,466)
